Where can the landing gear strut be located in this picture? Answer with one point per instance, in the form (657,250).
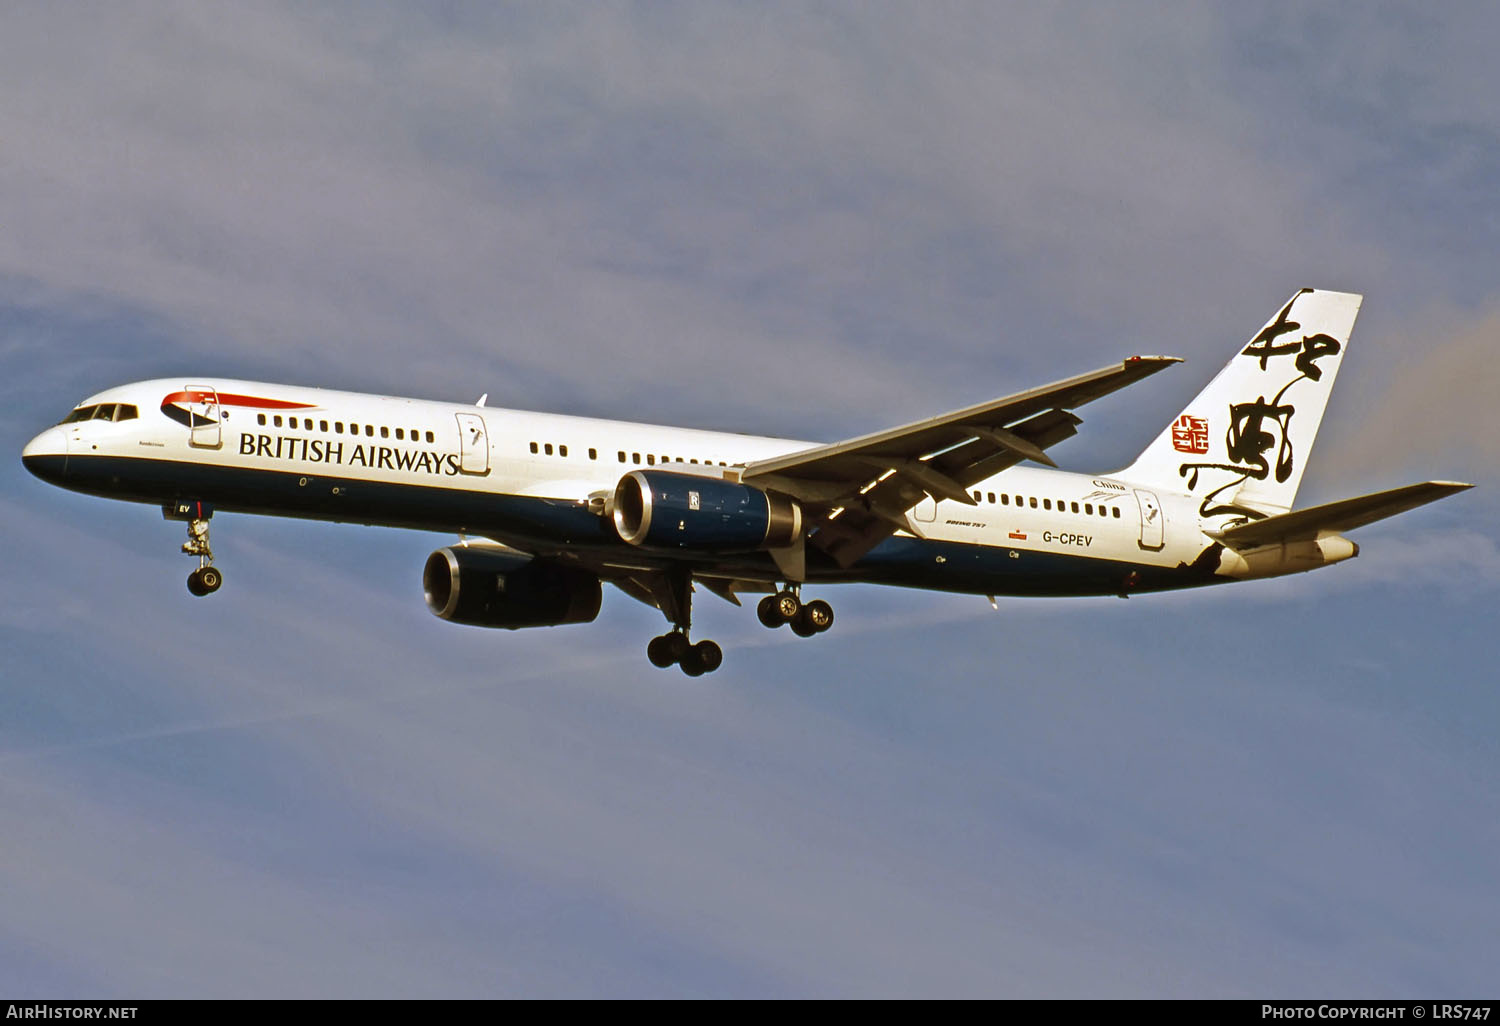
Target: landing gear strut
(785,607)
(206,579)
(675,648)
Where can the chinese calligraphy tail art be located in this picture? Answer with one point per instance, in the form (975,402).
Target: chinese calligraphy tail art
(1241,446)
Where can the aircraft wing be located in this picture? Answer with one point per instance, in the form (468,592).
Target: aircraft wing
(857,493)
(1344,515)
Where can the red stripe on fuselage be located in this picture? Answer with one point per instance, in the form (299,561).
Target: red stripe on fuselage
(230,399)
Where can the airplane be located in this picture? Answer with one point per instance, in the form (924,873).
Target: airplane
(549,507)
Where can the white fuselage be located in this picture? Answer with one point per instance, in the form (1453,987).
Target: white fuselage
(540,483)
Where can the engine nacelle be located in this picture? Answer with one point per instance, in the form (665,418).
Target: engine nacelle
(490,588)
(660,509)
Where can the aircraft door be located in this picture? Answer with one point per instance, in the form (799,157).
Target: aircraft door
(204,414)
(1152,532)
(473,444)
(926,510)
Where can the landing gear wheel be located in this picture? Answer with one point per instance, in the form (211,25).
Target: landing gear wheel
(210,579)
(813,618)
(788,605)
(769,613)
(709,655)
(692,664)
(819,614)
(678,645)
(659,651)
(195,583)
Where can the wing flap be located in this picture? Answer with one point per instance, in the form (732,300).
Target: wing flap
(1344,515)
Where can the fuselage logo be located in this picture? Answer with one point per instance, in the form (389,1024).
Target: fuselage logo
(199,407)
(1190,434)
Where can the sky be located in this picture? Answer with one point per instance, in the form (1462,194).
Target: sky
(801,220)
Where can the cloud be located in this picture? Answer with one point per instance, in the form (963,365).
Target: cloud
(700,196)
(1432,409)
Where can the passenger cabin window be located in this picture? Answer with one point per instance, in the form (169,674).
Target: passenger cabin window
(385,432)
(369,430)
(635,457)
(276,421)
(1046,504)
(1117,512)
(338,427)
(593,454)
(323,426)
(260,418)
(650,459)
(533,447)
(562,450)
(401,435)
(622,455)
(1033,502)
(430,436)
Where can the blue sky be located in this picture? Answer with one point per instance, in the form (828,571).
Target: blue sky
(805,221)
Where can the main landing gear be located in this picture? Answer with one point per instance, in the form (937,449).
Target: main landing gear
(787,607)
(674,647)
(674,594)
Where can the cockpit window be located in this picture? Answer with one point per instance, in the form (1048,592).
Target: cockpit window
(103,411)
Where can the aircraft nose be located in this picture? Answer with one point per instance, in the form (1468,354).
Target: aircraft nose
(46,455)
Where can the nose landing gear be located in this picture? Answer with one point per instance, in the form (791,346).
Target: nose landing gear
(206,579)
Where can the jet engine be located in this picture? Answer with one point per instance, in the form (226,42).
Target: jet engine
(485,587)
(661,509)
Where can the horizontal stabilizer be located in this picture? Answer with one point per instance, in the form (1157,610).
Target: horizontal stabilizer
(1344,515)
